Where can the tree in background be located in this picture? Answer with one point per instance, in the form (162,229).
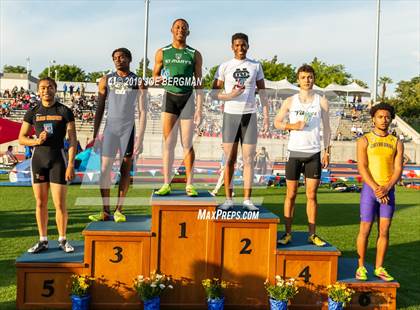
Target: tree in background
(360,83)
(93,76)
(14,69)
(139,71)
(327,74)
(209,77)
(71,73)
(275,71)
(384,80)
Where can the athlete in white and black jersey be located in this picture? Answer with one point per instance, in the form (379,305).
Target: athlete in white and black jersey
(49,168)
(121,93)
(306,112)
(238,78)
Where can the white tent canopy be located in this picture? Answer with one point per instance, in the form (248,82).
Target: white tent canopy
(355,88)
(281,85)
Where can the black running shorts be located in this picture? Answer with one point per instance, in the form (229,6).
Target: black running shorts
(182,105)
(48,165)
(298,162)
(239,127)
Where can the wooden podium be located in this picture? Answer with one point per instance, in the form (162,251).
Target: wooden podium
(190,240)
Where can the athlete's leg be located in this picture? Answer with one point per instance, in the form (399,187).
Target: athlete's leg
(231,153)
(41,213)
(248,155)
(384,224)
(220,181)
(311,203)
(289,203)
(362,241)
(170,133)
(125,179)
(59,194)
(105,181)
(187,132)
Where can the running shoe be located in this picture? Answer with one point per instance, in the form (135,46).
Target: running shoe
(285,239)
(249,206)
(213,193)
(119,217)
(227,205)
(381,273)
(65,246)
(164,190)
(315,240)
(101,216)
(39,247)
(361,274)
(191,191)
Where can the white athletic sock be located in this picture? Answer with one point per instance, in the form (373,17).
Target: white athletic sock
(61,238)
(43,238)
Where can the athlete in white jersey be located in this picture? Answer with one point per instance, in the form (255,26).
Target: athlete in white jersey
(239,77)
(306,112)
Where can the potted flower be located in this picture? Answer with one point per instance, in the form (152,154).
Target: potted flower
(214,293)
(338,295)
(281,292)
(80,297)
(150,288)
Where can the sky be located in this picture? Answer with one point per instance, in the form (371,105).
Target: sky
(85,33)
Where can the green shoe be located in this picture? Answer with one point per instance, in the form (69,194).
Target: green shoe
(315,240)
(164,190)
(119,217)
(361,274)
(191,191)
(381,273)
(285,239)
(98,217)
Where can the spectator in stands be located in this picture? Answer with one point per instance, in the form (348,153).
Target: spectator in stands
(10,157)
(353,114)
(261,160)
(82,90)
(339,136)
(71,88)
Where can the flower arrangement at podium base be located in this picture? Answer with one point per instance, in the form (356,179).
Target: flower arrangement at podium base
(214,293)
(338,295)
(150,288)
(281,292)
(80,297)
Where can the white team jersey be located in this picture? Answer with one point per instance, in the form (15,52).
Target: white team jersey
(307,140)
(240,72)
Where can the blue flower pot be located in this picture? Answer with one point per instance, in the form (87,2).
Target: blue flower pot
(216,304)
(278,304)
(80,302)
(334,305)
(152,304)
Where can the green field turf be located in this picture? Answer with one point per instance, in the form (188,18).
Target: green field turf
(338,221)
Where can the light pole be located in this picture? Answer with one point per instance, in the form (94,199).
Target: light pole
(51,63)
(375,76)
(146,34)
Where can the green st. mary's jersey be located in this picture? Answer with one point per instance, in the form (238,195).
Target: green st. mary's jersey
(178,69)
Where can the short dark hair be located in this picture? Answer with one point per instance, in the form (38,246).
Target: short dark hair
(10,147)
(51,80)
(383,106)
(306,68)
(181,19)
(123,50)
(240,35)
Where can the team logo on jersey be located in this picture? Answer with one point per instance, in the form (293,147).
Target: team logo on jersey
(241,75)
(178,56)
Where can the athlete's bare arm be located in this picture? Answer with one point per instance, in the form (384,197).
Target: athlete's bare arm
(325,116)
(198,74)
(24,139)
(141,106)
(102,92)
(158,66)
(263,98)
(280,119)
(398,166)
(71,133)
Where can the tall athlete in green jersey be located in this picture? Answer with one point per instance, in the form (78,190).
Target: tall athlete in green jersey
(178,69)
